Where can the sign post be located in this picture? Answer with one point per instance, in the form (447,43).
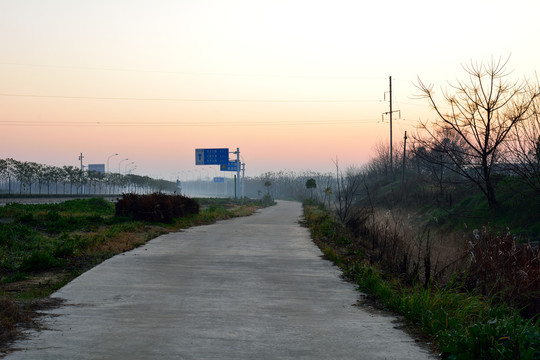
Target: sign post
(211,156)
(230,166)
(220,156)
(237,152)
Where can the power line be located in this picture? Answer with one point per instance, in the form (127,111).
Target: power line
(191,73)
(183,124)
(414,104)
(186,99)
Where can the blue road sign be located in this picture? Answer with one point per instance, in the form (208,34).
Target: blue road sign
(229,166)
(211,156)
(219,179)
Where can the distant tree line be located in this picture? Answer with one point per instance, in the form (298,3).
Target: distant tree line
(24,177)
(289,185)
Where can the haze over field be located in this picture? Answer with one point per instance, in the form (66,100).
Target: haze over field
(293,84)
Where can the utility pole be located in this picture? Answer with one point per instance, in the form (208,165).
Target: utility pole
(81,157)
(237,176)
(243,178)
(391,152)
(404,149)
(390,113)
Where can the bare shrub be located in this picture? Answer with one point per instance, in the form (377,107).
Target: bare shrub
(156,207)
(11,314)
(500,268)
(347,187)
(394,240)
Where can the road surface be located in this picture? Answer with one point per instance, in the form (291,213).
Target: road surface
(248,288)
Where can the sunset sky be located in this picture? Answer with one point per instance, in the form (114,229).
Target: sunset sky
(293,84)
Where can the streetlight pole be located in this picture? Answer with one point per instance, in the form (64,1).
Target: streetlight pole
(121,161)
(108,161)
(125,168)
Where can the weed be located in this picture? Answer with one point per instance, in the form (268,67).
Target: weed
(10,314)
(39,260)
(18,276)
(501,268)
(342,240)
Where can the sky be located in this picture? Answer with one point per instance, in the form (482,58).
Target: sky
(293,84)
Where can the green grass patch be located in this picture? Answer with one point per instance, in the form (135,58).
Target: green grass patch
(460,205)
(518,211)
(464,326)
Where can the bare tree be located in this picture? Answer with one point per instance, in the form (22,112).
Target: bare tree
(481,113)
(57,175)
(523,148)
(7,171)
(26,173)
(347,187)
(73,176)
(47,176)
(436,160)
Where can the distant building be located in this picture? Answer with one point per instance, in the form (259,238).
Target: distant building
(100,168)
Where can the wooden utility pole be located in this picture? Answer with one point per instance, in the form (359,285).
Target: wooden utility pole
(391,152)
(390,113)
(404,149)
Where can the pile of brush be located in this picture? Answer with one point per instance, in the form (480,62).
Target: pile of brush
(156,207)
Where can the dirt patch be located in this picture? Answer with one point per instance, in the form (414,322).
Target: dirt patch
(28,317)
(35,281)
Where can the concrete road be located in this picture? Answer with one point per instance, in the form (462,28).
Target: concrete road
(249,288)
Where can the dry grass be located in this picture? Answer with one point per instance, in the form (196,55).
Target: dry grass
(483,262)
(244,210)
(123,241)
(502,269)
(11,314)
(405,246)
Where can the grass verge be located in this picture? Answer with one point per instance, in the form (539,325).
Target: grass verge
(462,325)
(43,247)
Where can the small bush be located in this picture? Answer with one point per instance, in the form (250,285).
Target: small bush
(27,218)
(267,200)
(500,267)
(69,245)
(156,207)
(18,276)
(52,216)
(508,337)
(10,314)
(39,260)
(92,205)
